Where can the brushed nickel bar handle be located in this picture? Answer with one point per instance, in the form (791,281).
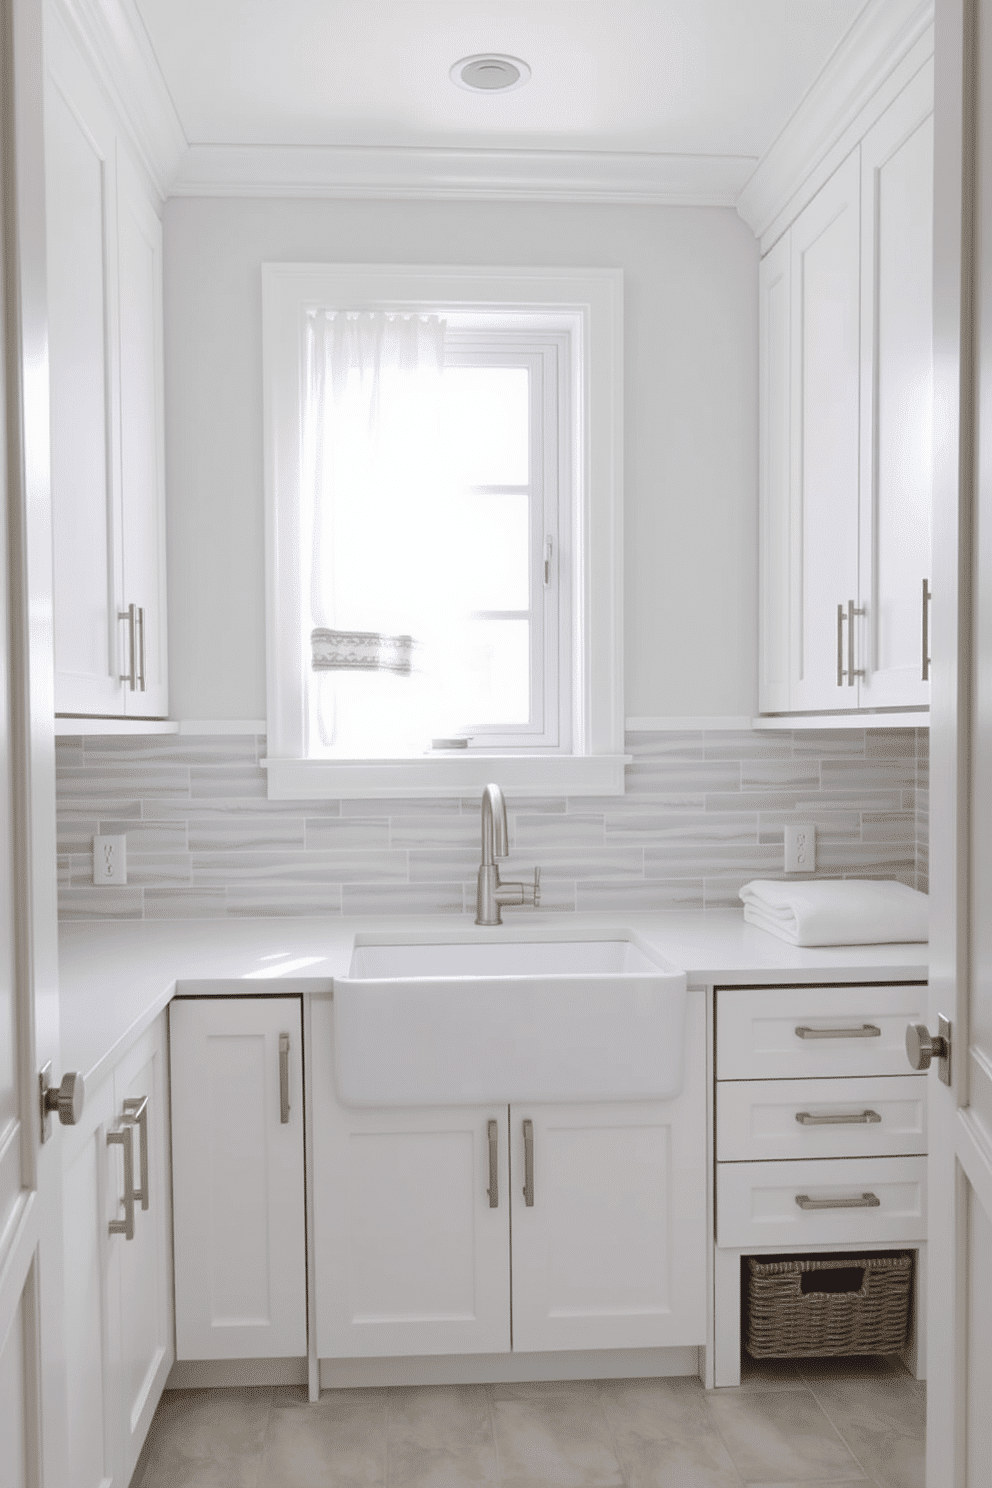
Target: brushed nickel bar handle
(131,675)
(141,649)
(866,1030)
(284,1078)
(866,1118)
(529,1164)
(136,1114)
(840,645)
(927,596)
(863,1201)
(493,1189)
(850,642)
(125,1138)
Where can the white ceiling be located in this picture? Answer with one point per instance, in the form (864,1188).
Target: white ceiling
(665,77)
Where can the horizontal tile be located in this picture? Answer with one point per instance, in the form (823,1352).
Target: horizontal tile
(112,783)
(670,859)
(867,775)
(877,826)
(206,781)
(724,892)
(699,827)
(68,753)
(378,805)
(184,904)
(245,832)
(158,868)
(670,777)
(298,867)
(232,808)
(638,805)
(100,904)
(534,833)
(71,808)
(737,746)
(822,742)
(757,801)
(445,864)
(127,749)
(380,898)
(579,863)
(446,830)
(63,870)
(890,744)
(838,856)
(75,834)
(665,744)
(148,836)
(283,899)
(791,774)
(360,833)
(634,898)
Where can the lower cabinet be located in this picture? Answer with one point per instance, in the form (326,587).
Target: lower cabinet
(118,1265)
(237,1150)
(534,1227)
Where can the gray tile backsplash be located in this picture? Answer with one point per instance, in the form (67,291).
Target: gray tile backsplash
(703,813)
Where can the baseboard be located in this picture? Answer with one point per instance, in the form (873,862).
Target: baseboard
(487,1369)
(210,1374)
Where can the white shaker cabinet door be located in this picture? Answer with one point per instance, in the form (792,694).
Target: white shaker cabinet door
(81,206)
(237,1160)
(825,330)
(897,396)
(145,1263)
(412,1235)
(139,257)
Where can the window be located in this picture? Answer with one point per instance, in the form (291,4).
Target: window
(443,530)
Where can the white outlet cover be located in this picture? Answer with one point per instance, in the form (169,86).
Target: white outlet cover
(800,847)
(110,859)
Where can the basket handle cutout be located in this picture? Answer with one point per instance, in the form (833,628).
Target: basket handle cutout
(837,1279)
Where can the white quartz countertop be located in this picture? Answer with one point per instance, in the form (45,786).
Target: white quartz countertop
(117,976)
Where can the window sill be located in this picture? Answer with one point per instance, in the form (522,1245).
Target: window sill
(518,774)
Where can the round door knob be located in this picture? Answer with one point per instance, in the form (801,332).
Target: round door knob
(921,1047)
(66,1099)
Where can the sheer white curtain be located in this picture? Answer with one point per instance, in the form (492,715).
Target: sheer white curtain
(377,531)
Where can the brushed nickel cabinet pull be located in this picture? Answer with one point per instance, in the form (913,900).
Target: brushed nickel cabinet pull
(131,616)
(852,671)
(493,1189)
(927,596)
(141,648)
(863,1118)
(866,1030)
(125,1138)
(529,1164)
(840,645)
(861,1201)
(284,1078)
(136,1114)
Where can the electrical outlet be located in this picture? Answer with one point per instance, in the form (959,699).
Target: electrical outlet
(109,860)
(800,848)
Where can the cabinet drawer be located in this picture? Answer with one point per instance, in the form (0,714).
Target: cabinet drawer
(758,1119)
(769,1033)
(756,1203)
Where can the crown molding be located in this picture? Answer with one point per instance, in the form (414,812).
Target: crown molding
(115,43)
(462,175)
(879,54)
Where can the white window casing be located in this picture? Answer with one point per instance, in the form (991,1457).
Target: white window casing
(573,342)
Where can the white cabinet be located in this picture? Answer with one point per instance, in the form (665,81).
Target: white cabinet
(118,1288)
(845,393)
(107,403)
(238,1194)
(414,1254)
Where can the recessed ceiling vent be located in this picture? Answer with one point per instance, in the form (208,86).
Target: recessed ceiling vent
(490,73)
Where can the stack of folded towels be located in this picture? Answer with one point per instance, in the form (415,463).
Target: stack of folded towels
(831,912)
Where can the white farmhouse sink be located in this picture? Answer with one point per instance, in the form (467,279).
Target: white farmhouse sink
(476,1021)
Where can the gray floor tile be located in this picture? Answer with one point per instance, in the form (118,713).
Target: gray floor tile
(883,1422)
(441,1437)
(337,1442)
(664,1435)
(554,1435)
(778,1436)
(207,1439)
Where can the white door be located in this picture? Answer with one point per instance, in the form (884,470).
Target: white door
(825,330)
(959,1422)
(237,1177)
(32,1425)
(897,397)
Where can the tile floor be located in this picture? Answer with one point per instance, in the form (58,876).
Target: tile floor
(829,1422)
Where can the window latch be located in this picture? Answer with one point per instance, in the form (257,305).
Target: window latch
(548,550)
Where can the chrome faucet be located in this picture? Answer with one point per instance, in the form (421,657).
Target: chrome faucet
(491,895)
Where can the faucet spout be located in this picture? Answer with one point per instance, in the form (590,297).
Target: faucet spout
(494,833)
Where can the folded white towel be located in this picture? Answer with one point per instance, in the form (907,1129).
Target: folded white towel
(830,912)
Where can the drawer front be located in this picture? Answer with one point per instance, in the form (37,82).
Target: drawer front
(758,1120)
(756,1203)
(788,1033)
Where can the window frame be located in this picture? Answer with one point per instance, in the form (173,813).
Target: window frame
(581,310)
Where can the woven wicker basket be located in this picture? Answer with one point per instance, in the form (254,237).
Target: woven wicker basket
(786,1321)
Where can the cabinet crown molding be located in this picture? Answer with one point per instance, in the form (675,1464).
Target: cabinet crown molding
(879,54)
(116,46)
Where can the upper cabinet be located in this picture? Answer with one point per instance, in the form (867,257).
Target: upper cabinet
(107,403)
(845,312)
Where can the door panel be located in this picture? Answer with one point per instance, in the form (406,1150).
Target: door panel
(13,1415)
(897,394)
(825,393)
